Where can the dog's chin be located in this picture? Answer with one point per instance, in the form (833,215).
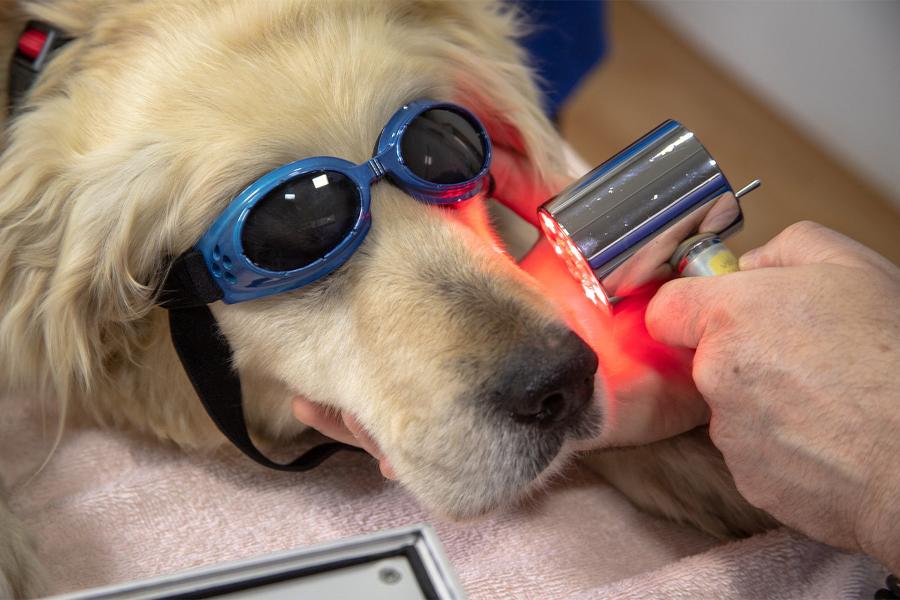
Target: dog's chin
(510,469)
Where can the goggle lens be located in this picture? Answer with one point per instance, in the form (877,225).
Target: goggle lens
(443,146)
(300,221)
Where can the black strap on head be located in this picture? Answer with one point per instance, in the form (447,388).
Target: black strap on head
(207,359)
(189,284)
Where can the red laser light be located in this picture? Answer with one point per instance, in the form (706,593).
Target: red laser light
(579,268)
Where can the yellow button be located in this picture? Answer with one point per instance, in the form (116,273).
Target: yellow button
(723,262)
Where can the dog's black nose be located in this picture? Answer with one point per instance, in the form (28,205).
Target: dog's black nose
(547,383)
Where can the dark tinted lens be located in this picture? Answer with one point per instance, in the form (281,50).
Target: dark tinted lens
(442,146)
(300,221)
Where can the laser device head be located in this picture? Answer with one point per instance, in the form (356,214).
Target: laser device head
(659,207)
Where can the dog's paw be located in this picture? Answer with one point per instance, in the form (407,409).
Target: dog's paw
(21,573)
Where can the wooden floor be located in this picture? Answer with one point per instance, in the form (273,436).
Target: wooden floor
(650,74)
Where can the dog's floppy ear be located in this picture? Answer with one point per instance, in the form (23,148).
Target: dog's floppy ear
(491,73)
(83,242)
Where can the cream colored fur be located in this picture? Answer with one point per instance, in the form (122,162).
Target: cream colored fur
(141,131)
(147,125)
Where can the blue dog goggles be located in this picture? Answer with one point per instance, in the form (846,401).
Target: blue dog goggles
(301,221)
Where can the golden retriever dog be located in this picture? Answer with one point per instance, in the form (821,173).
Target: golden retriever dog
(141,130)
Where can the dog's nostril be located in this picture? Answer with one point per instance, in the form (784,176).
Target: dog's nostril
(551,408)
(547,387)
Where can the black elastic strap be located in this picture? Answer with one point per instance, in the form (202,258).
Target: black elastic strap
(188,283)
(206,358)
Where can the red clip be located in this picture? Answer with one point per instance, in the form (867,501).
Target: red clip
(32,42)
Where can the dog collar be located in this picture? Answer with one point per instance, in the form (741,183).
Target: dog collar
(36,46)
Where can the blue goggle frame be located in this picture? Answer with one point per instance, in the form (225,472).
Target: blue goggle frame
(242,280)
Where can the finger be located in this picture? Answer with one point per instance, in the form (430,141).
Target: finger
(363,439)
(387,470)
(324,420)
(648,409)
(369,445)
(805,243)
(683,311)
(517,185)
(654,396)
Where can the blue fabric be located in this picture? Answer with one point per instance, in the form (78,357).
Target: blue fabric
(568,39)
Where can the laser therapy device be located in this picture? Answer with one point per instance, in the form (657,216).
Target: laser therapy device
(659,207)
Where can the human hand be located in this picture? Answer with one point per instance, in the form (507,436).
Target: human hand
(798,357)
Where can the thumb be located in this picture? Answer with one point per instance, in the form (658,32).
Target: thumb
(683,311)
(804,243)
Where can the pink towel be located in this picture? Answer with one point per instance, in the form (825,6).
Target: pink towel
(779,565)
(112,507)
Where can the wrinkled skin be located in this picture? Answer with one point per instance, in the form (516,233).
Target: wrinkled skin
(797,356)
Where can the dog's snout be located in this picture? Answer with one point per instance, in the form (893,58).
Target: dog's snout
(547,385)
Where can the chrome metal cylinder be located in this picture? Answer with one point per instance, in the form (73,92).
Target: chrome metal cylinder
(625,219)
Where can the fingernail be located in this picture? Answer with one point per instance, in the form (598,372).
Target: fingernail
(387,470)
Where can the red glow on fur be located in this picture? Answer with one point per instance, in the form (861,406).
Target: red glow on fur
(629,357)
(635,367)
(474,216)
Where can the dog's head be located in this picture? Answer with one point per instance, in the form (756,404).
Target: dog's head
(156,117)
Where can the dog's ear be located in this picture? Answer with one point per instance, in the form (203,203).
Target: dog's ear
(83,236)
(492,76)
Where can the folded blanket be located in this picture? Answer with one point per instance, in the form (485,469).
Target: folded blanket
(111,507)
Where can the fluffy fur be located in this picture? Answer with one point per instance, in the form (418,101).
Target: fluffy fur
(141,131)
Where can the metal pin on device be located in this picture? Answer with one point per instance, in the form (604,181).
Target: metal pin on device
(705,253)
(747,188)
(660,206)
